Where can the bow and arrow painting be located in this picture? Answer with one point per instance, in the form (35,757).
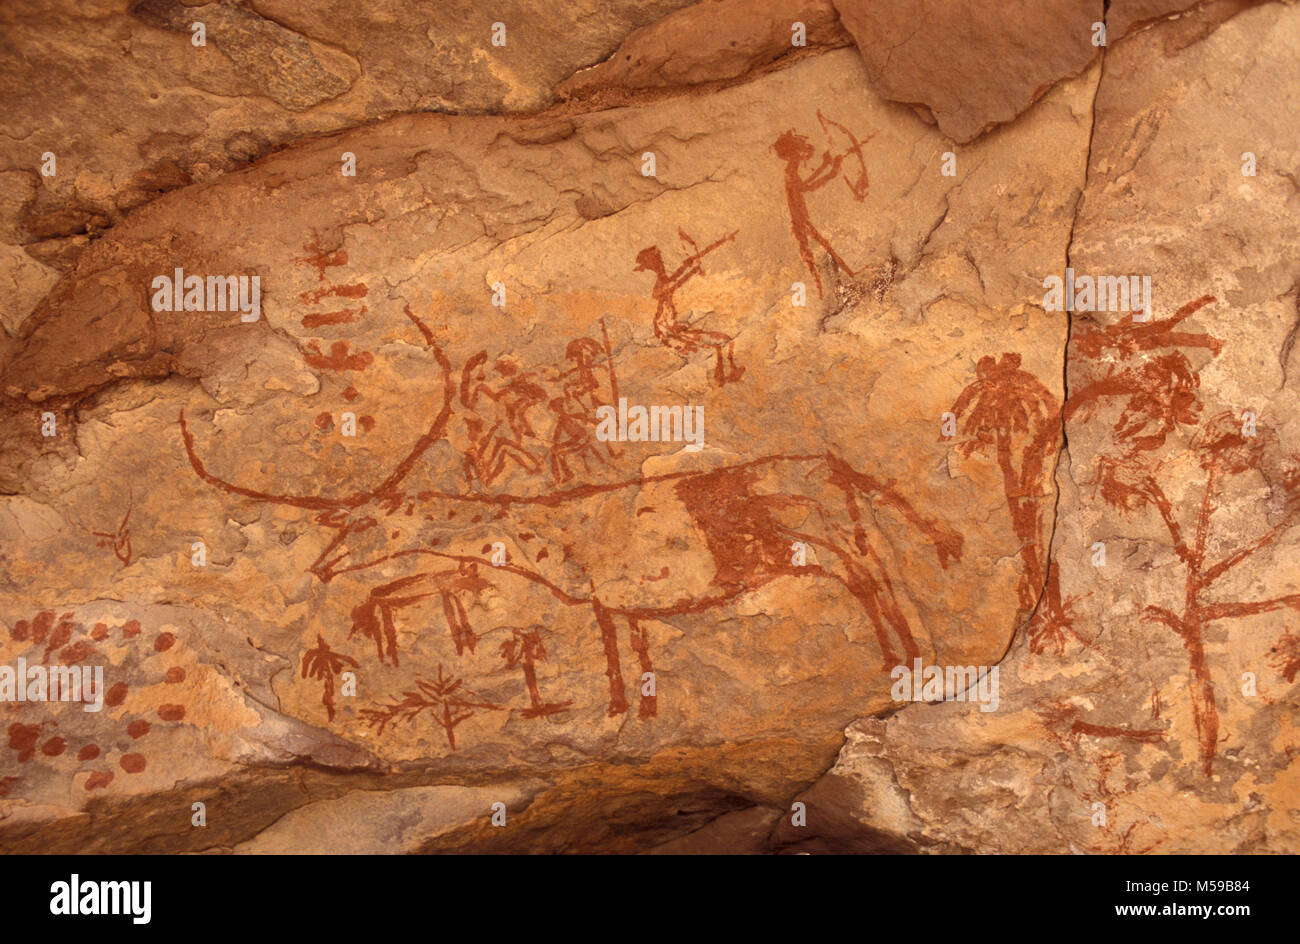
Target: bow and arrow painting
(797,151)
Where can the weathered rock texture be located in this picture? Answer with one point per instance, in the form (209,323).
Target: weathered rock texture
(361,575)
(1161,684)
(130,108)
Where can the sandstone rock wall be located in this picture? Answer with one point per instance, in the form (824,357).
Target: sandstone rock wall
(363,571)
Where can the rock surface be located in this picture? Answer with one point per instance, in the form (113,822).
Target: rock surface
(270,73)
(1158,680)
(363,573)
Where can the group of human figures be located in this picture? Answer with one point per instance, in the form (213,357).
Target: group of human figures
(505,407)
(795,150)
(502,403)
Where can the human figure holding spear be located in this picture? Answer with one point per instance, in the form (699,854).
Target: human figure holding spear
(672,333)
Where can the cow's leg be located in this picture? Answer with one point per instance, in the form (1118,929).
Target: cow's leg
(458,622)
(613,668)
(649,705)
(390,630)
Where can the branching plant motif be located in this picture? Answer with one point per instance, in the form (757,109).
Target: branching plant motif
(1159,394)
(1006,406)
(323,663)
(1222,451)
(448,702)
(1010,412)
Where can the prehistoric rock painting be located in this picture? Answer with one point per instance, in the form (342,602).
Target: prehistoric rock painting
(573,440)
(323,663)
(1222,451)
(1285,656)
(1144,366)
(1160,393)
(340,357)
(1066,727)
(373,617)
(796,151)
(64,738)
(744,513)
(443,698)
(321,260)
(1005,408)
(669,329)
(525,649)
(119,540)
(536,422)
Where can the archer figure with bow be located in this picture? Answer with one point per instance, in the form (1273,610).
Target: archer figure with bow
(671,332)
(796,150)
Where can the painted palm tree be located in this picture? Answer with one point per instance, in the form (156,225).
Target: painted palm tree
(1006,405)
(324,663)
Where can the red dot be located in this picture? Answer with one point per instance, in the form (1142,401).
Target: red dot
(171,712)
(41,625)
(367,423)
(89,752)
(117,694)
(21,631)
(79,650)
(175,674)
(62,633)
(22,738)
(100,632)
(138,728)
(100,778)
(350,394)
(132,628)
(164,642)
(132,763)
(53,747)
(324,421)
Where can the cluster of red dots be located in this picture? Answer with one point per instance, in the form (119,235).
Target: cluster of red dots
(56,634)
